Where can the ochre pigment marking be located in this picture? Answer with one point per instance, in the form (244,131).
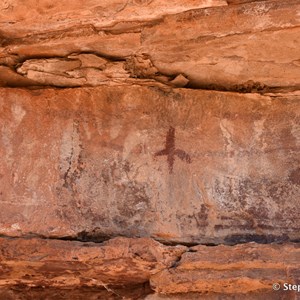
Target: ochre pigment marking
(170,151)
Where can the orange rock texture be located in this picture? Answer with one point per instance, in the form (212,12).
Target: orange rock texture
(112,268)
(214,44)
(178,165)
(122,269)
(149,149)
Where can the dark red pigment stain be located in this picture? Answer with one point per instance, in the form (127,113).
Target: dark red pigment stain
(295,176)
(170,151)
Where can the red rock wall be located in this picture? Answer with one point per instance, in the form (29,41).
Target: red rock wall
(134,268)
(174,122)
(213,44)
(177,165)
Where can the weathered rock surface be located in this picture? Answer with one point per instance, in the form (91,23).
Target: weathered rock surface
(117,262)
(67,269)
(240,269)
(178,165)
(256,47)
(112,135)
(256,41)
(49,15)
(122,268)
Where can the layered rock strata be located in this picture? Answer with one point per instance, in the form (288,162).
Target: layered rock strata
(144,269)
(254,48)
(152,120)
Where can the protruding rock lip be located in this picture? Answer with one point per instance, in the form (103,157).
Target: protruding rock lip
(211,56)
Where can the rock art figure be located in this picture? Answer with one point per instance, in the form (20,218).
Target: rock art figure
(170,151)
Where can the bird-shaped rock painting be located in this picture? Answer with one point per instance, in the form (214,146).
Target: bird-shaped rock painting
(170,151)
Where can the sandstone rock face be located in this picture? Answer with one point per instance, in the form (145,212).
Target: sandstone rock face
(122,268)
(178,165)
(228,270)
(255,48)
(158,121)
(55,269)
(49,15)
(138,258)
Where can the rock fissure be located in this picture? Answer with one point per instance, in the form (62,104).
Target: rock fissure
(86,237)
(90,69)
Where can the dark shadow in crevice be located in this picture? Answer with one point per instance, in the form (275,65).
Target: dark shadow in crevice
(232,240)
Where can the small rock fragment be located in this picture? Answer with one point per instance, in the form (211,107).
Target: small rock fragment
(180,81)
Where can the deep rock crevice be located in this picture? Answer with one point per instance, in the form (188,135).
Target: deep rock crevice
(74,71)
